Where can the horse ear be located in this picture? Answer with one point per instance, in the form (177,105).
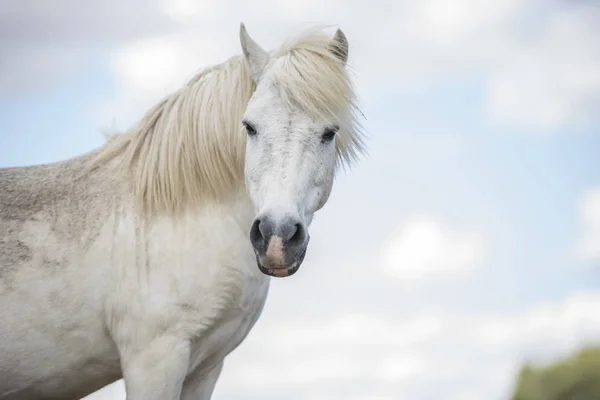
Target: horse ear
(339,46)
(256,57)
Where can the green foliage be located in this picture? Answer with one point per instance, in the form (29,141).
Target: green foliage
(574,378)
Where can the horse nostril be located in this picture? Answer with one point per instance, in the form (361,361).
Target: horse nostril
(296,234)
(265,228)
(256,236)
(261,231)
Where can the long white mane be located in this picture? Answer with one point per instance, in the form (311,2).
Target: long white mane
(190,147)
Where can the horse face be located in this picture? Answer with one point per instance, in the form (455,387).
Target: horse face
(289,168)
(290,163)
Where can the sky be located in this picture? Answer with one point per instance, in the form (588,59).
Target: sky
(467,240)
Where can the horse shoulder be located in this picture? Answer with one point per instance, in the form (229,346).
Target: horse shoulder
(48,213)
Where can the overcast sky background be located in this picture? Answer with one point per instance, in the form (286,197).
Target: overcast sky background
(466,242)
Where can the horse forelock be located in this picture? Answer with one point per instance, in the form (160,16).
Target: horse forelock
(311,76)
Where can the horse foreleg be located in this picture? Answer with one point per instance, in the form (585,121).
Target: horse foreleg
(157,371)
(201,387)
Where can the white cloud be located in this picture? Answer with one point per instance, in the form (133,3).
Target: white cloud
(551,80)
(405,354)
(44,43)
(588,246)
(425,249)
(538,61)
(183,10)
(31,66)
(64,21)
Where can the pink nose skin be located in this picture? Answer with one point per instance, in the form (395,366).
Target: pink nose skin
(275,255)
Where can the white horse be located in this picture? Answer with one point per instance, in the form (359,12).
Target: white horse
(139,259)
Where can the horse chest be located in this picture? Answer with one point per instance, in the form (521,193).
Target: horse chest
(232,328)
(198,278)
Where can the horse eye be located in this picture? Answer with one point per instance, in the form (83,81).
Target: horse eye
(329,134)
(249,128)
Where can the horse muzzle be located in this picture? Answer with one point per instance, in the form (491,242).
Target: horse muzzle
(279,244)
